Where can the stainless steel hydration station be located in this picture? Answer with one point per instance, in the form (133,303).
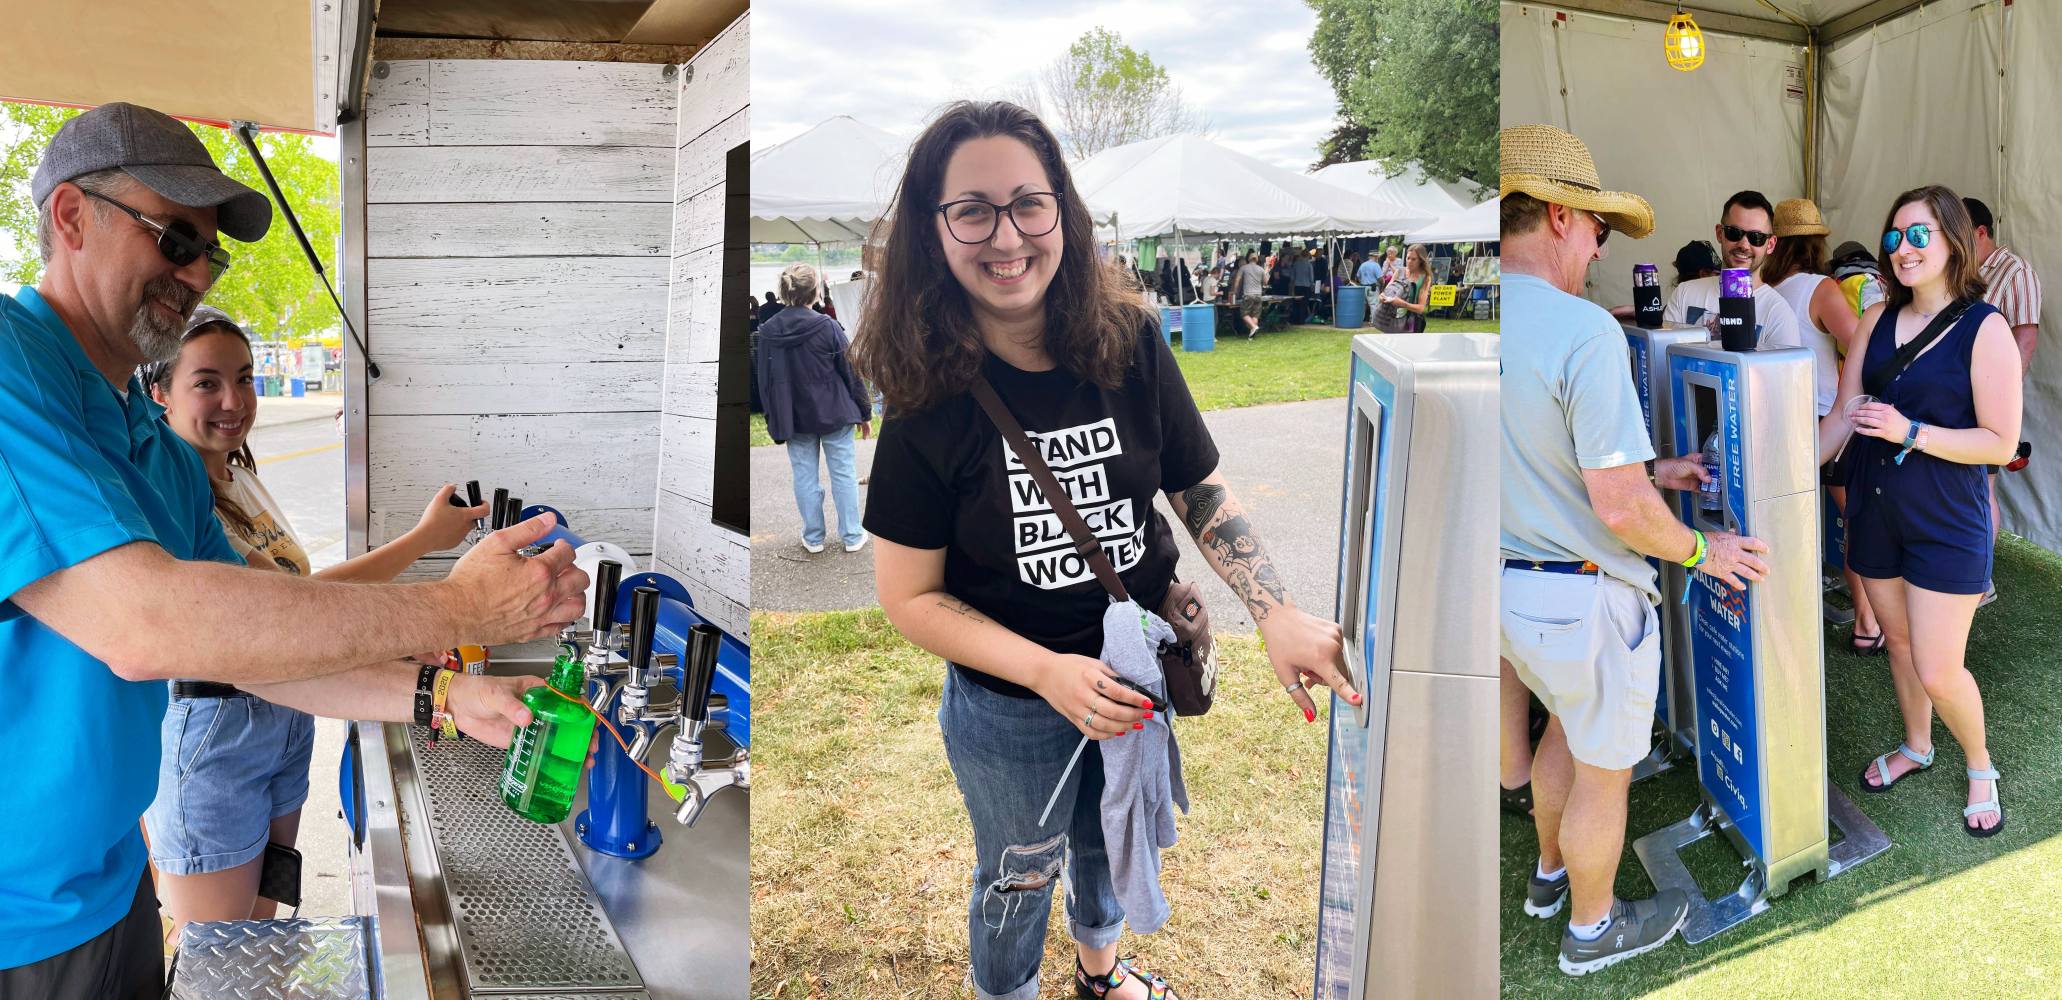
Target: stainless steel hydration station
(1407,905)
(637,895)
(1755,657)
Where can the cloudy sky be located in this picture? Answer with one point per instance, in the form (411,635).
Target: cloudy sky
(1244,63)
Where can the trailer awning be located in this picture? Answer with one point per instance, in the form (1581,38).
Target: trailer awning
(214,60)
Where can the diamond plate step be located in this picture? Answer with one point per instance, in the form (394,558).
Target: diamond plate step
(274,960)
(528,920)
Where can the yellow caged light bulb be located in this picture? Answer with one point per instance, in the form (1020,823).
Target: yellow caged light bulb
(1684,42)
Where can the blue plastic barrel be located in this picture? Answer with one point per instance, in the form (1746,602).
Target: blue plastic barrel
(258,385)
(1351,306)
(298,388)
(1170,323)
(1199,328)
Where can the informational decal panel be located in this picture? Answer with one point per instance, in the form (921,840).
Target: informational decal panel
(1346,777)
(1722,627)
(1638,351)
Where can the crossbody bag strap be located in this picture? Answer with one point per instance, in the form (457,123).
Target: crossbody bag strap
(1085,542)
(1911,348)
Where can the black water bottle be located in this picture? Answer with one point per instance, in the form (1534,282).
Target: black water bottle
(1646,296)
(1736,309)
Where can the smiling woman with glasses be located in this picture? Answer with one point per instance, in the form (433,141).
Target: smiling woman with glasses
(990,282)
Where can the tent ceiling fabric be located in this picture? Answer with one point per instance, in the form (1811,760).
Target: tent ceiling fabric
(827,185)
(1190,185)
(1481,224)
(48,56)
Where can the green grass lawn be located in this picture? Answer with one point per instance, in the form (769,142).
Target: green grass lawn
(1301,362)
(862,854)
(1940,914)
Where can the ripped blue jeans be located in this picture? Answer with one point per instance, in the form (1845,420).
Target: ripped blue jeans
(1007,753)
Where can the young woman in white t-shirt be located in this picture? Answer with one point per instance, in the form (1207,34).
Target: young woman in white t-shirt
(1797,269)
(234,769)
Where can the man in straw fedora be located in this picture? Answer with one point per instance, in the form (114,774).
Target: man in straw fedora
(1580,515)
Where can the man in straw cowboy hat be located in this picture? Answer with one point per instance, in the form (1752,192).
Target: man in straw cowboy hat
(1580,515)
(1746,236)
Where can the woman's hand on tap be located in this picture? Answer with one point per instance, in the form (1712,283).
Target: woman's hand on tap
(443,525)
(502,596)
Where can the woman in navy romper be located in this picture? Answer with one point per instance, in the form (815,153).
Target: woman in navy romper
(1918,513)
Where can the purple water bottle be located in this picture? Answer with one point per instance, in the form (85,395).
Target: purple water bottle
(1736,330)
(1646,296)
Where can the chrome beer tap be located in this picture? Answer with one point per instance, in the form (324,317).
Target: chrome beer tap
(685,765)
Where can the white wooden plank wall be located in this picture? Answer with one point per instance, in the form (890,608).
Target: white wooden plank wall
(519,226)
(714,562)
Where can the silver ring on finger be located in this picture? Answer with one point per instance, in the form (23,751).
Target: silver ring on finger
(1088,721)
(1292,688)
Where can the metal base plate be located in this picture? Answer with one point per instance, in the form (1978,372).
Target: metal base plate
(273,960)
(1660,853)
(527,918)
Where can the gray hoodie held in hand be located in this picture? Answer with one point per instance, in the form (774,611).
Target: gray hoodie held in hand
(1142,780)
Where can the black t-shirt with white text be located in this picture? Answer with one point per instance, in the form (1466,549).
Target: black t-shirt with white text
(946,479)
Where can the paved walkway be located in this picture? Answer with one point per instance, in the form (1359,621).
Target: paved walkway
(1283,462)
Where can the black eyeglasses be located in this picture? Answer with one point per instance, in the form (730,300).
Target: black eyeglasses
(1735,234)
(974,220)
(180,242)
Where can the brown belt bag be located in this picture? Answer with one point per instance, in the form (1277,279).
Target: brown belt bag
(1190,662)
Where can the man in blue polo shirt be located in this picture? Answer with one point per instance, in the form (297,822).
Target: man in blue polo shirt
(115,574)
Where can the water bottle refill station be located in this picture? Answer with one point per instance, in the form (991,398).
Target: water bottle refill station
(1407,899)
(1648,350)
(636,896)
(1756,667)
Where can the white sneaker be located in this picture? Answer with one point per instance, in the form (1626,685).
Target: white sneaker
(818,547)
(856,546)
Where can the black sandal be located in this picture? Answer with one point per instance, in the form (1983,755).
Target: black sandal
(1517,801)
(1868,645)
(1087,987)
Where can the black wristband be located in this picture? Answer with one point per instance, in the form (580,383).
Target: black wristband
(425,692)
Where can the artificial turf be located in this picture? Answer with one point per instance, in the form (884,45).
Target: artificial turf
(1940,914)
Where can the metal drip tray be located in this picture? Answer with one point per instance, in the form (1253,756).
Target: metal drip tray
(273,960)
(528,920)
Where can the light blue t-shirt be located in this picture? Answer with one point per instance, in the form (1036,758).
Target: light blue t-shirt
(82,471)
(1370,269)
(1568,404)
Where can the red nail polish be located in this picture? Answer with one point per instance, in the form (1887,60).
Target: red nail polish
(1145,704)
(1138,725)
(1149,715)
(1309,716)
(1356,699)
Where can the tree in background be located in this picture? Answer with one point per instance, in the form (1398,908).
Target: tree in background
(1105,93)
(269,289)
(1420,76)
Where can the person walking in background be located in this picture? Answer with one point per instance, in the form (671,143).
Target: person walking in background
(2012,287)
(1302,283)
(814,402)
(1247,288)
(1797,270)
(1369,272)
(769,309)
(1918,517)
(1403,300)
(1580,517)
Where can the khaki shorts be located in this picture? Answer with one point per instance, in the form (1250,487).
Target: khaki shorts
(1590,648)
(1250,306)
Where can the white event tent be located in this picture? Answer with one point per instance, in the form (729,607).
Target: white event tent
(1409,187)
(1474,225)
(827,185)
(1187,185)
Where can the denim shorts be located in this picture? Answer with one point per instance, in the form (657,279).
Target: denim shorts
(227,767)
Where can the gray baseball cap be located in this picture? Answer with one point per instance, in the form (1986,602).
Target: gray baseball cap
(162,154)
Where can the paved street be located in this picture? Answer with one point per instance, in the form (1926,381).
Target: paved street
(1282,461)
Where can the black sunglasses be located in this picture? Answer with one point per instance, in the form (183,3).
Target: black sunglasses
(1735,234)
(179,241)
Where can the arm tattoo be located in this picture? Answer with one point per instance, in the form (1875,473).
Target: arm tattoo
(1202,501)
(961,608)
(1241,560)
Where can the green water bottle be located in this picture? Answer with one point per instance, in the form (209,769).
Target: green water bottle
(545,759)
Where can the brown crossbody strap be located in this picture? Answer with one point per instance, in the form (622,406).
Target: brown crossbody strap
(1084,541)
